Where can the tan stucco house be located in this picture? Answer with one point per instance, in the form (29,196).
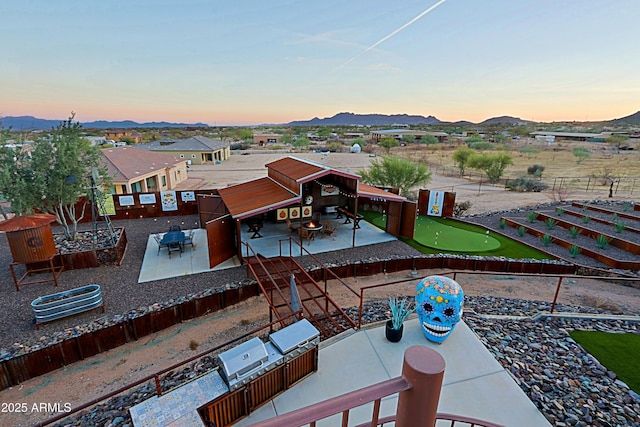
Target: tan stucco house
(198,150)
(139,171)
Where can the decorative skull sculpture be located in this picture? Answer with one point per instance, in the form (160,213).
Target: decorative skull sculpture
(439,302)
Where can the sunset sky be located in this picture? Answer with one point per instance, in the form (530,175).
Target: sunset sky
(254,62)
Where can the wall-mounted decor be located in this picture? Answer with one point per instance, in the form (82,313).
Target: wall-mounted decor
(188,196)
(282,214)
(169,201)
(126,201)
(436,201)
(147,199)
(307,211)
(329,190)
(294,213)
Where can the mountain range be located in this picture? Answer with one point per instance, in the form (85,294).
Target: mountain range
(340,119)
(34,123)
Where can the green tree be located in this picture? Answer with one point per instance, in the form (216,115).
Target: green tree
(388,142)
(493,164)
(429,140)
(408,139)
(616,141)
(52,175)
(461,158)
(324,132)
(301,143)
(581,154)
(394,171)
(286,139)
(360,141)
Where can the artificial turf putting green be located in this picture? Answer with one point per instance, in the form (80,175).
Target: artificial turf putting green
(508,247)
(618,352)
(444,236)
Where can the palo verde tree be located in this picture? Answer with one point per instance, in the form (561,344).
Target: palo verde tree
(388,142)
(394,171)
(461,158)
(493,164)
(52,175)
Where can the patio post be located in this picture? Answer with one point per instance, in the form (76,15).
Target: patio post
(423,368)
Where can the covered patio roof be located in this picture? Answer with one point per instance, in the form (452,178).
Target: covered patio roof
(302,170)
(256,197)
(368,191)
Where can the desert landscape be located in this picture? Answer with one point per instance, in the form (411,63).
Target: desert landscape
(106,372)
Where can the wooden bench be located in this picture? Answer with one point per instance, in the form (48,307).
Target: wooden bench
(350,216)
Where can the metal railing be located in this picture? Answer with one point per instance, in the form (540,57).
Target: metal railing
(418,391)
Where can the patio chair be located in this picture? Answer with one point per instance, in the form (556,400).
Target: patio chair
(158,240)
(188,239)
(291,227)
(330,227)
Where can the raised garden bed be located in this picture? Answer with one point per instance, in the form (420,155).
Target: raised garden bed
(62,304)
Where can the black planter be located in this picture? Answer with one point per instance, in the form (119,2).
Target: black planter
(393,335)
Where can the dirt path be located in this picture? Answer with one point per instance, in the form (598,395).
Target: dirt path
(109,371)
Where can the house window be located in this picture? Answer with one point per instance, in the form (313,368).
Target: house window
(182,156)
(123,189)
(151,183)
(136,187)
(163,179)
(193,156)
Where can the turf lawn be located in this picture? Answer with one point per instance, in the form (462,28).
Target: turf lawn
(618,352)
(458,238)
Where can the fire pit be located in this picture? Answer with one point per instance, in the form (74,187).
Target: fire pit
(312,226)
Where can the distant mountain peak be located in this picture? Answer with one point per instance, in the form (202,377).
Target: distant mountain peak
(346,119)
(34,123)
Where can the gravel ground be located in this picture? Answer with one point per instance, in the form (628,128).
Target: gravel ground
(121,292)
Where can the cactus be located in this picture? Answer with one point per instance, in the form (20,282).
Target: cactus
(550,223)
(602,241)
(546,240)
(574,232)
(521,231)
(574,251)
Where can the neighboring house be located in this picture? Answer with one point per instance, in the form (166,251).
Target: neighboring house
(266,138)
(377,135)
(138,171)
(117,135)
(198,150)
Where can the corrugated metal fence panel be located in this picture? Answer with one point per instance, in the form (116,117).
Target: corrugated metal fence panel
(165,318)
(5,379)
(70,351)
(368,269)
(301,366)
(141,326)
(87,345)
(45,360)
(226,410)
(265,387)
(399,265)
(111,337)
(210,303)
(18,369)
(189,310)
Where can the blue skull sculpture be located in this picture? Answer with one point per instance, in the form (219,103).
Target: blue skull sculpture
(439,302)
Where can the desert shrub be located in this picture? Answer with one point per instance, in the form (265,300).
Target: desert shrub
(546,240)
(574,251)
(602,241)
(526,184)
(532,216)
(521,231)
(619,226)
(586,219)
(574,232)
(460,208)
(503,223)
(559,211)
(550,223)
(482,145)
(626,207)
(535,170)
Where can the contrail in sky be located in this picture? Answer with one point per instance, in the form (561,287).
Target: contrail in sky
(387,37)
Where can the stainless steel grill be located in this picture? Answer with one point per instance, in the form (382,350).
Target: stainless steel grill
(247,361)
(295,338)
